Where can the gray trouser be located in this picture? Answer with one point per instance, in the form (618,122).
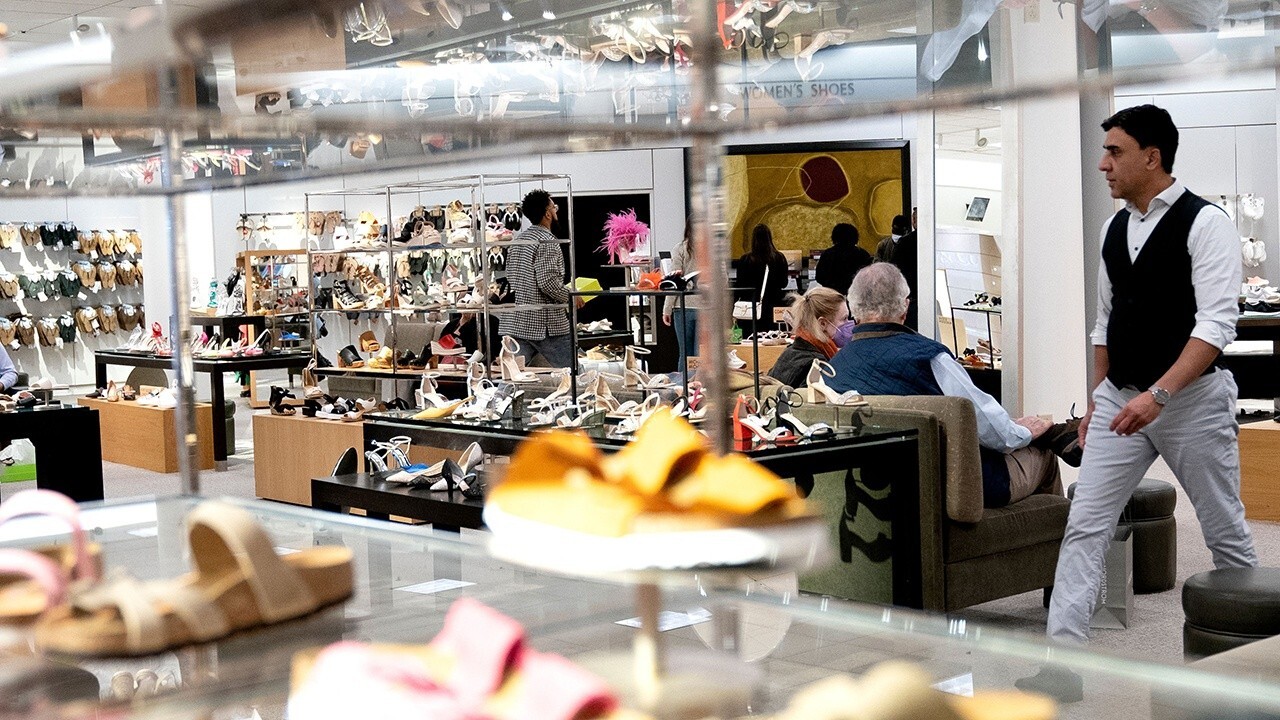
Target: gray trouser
(1196,436)
(557,350)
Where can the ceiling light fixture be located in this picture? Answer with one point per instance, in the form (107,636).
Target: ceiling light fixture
(506,12)
(547,14)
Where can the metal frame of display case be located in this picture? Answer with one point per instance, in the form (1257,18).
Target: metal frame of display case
(476,186)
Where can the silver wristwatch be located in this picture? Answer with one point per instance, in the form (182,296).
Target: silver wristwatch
(1160,394)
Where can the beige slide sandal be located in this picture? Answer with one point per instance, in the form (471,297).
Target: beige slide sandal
(239,583)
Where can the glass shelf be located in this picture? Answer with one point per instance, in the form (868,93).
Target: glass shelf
(784,640)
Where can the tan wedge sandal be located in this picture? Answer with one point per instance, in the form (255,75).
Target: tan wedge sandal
(238,583)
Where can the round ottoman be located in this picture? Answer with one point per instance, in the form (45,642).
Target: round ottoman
(1155,535)
(1228,608)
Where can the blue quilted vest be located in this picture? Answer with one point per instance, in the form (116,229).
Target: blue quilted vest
(893,359)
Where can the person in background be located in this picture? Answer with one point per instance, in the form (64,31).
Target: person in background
(884,251)
(536,273)
(820,323)
(8,372)
(906,259)
(684,322)
(840,262)
(751,267)
(884,357)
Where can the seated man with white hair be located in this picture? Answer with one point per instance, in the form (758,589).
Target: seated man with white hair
(885,357)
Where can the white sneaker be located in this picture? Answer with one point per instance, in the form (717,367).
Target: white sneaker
(736,362)
(166,399)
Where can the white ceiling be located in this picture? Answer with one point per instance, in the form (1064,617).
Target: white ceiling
(37,22)
(960,130)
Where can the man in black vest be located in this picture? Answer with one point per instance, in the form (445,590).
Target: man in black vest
(1167,290)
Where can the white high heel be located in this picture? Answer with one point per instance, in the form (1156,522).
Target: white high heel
(644,381)
(562,390)
(511,372)
(546,410)
(816,430)
(817,372)
(428,395)
(603,395)
(637,417)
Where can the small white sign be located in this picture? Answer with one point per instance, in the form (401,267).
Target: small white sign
(671,620)
(41,296)
(432,587)
(958,685)
(146,531)
(82,296)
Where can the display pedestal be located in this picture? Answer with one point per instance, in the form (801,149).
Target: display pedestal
(289,450)
(146,437)
(1259,456)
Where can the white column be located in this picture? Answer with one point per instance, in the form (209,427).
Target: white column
(1043,255)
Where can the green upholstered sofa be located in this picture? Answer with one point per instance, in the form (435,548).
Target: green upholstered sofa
(968,554)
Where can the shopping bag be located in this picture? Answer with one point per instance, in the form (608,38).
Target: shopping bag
(1115,594)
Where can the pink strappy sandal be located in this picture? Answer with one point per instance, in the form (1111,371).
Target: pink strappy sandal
(32,581)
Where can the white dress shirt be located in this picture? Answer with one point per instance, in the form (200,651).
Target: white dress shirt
(1214,245)
(996,430)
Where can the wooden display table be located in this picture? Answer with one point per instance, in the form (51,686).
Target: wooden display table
(768,356)
(145,437)
(290,450)
(1259,457)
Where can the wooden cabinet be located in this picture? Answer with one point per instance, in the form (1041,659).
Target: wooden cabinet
(289,450)
(1259,458)
(145,437)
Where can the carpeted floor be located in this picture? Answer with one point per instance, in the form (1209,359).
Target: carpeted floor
(1155,631)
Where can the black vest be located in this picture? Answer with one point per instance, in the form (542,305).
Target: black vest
(1153,301)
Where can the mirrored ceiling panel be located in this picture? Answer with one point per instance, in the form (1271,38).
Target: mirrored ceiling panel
(269,89)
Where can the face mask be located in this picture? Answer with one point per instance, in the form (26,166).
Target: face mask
(843,334)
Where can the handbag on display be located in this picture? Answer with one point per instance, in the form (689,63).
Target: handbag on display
(745,309)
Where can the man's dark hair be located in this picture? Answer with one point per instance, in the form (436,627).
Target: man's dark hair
(535,204)
(844,233)
(1149,125)
(900,225)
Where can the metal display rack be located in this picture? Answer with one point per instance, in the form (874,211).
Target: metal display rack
(478,189)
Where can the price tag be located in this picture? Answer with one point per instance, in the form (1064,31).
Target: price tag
(82,296)
(97,285)
(96,326)
(41,296)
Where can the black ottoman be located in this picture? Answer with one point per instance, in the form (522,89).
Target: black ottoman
(1228,608)
(1155,535)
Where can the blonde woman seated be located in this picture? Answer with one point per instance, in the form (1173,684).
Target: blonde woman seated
(820,321)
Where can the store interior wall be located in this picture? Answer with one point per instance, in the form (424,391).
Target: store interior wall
(1227,128)
(73,363)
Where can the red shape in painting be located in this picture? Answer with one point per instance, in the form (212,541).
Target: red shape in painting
(823,180)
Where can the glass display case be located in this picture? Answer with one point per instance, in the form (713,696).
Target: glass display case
(751,623)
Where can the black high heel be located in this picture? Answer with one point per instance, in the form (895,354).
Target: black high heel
(278,406)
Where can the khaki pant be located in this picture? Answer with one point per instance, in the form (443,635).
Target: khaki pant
(1032,470)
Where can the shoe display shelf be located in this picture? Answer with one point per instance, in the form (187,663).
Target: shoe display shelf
(276,296)
(144,436)
(418,278)
(62,287)
(992,363)
(651,297)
